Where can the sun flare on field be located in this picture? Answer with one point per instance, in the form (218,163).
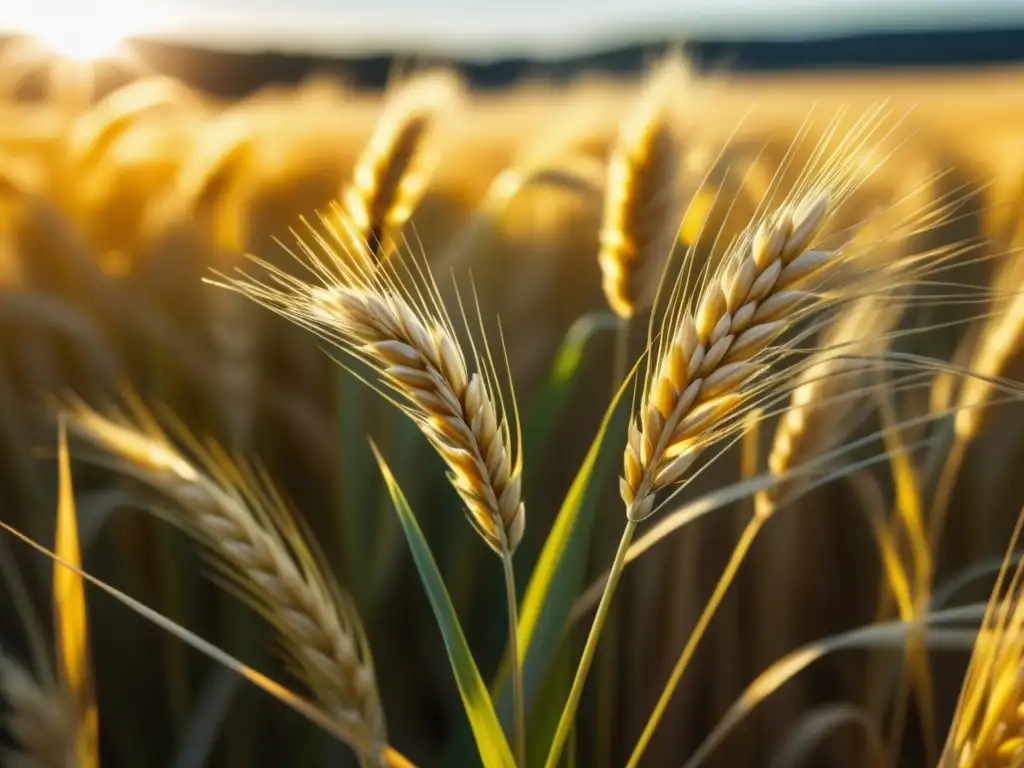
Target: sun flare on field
(82,31)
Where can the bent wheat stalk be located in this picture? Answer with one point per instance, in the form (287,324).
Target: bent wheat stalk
(391,317)
(241,520)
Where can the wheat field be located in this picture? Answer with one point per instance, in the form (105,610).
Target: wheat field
(694,439)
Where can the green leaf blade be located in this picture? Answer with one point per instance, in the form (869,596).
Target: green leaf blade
(490,738)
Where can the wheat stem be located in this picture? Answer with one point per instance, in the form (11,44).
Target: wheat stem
(565,722)
(518,700)
(621,353)
(724,582)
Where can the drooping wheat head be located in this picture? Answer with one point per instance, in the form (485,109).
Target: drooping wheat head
(827,390)
(256,543)
(716,345)
(988,725)
(392,173)
(392,318)
(641,205)
(40,719)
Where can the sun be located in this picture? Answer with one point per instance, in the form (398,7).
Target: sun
(81,31)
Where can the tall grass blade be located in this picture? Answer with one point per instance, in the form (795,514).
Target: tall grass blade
(490,738)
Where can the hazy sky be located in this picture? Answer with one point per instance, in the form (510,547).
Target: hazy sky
(493,26)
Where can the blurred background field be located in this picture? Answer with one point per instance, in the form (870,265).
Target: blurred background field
(124,182)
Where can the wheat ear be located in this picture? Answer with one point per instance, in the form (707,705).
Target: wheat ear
(397,324)
(391,316)
(697,383)
(239,518)
(40,719)
(641,206)
(392,173)
(702,374)
(988,724)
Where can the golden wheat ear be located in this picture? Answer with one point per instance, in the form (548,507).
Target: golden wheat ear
(391,317)
(642,201)
(988,724)
(258,546)
(712,355)
(393,171)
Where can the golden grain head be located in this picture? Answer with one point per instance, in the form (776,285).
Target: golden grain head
(642,202)
(245,525)
(392,317)
(709,356)
(393,170)
(988,724)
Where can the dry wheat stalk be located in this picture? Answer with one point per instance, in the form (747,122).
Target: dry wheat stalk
(392,173)
(827,390)
(256,543)
(996,354)
(406,336)
(641,208)
(713,353)
(40,719)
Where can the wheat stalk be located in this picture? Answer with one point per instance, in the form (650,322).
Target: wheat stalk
(256,543)
(704,372)
(393,171)
(40,720)
(641,206)
(826,392)
(997,352)
(391,316)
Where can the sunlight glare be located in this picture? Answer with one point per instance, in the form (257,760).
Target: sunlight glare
(85,32)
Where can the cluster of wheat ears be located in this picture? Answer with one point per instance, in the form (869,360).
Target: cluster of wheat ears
(763,296)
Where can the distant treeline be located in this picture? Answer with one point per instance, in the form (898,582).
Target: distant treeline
(232,74)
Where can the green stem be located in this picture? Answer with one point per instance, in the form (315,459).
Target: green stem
(724,582)
(518,698)
(621,350)
(572,703)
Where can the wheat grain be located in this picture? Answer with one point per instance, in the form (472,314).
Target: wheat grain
(401,329)
(641,206)
(713,353)
(715,345)
(392,173)
(246,526)
(988,725)
(40,720)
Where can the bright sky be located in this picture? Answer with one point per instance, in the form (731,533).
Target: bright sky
(475,27)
